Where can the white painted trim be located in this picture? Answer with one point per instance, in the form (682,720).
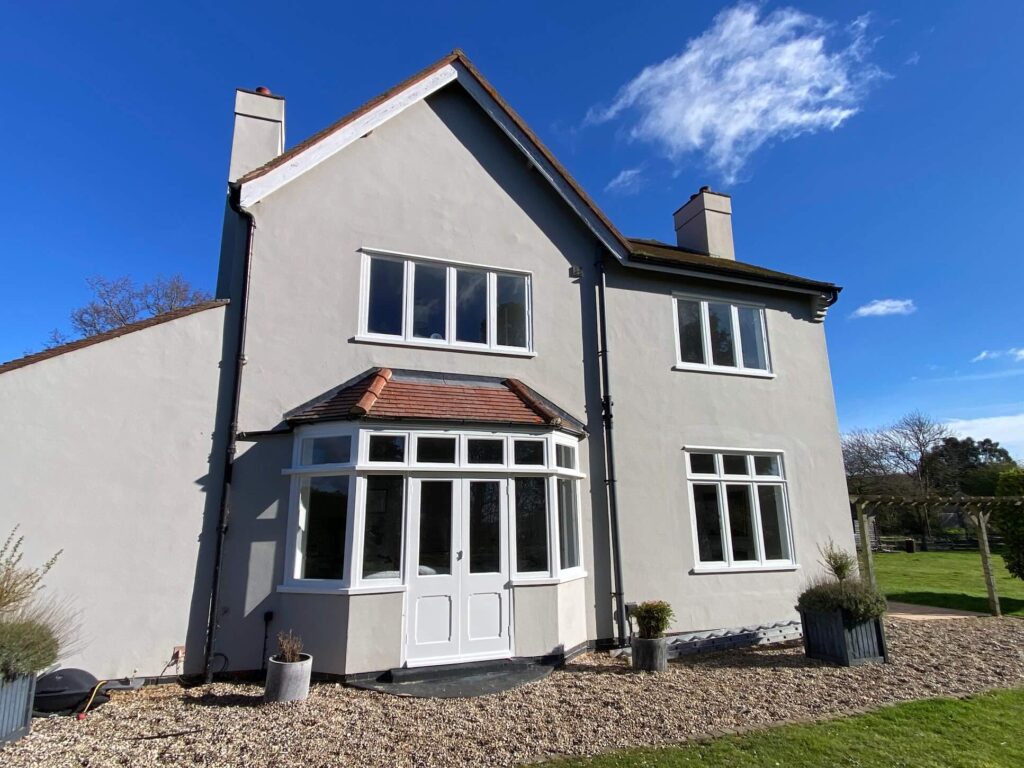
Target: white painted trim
(695,571)
(398,255)
(709,366)
(257,189)
(573,574)
(394,341)
(750,373)
(459,659)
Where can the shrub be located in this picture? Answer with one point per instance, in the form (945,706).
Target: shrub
(652,618)
(18,584)
(840,563)
(858,600)
(289,647)
(26,647)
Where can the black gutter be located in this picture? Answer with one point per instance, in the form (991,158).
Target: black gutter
(609,447)
(229,451)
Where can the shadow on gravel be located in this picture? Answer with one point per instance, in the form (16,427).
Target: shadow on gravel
(225,700)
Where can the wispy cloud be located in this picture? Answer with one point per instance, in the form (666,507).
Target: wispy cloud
(913,60)
(1014,353)
(1007,430)
(745,81)
(883,307)
(627,182)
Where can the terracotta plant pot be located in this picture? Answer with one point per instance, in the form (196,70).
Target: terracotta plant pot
(288,681)
(650,654)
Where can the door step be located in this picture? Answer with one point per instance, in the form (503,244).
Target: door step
(456,681)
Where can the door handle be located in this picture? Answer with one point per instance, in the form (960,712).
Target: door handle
(458,555)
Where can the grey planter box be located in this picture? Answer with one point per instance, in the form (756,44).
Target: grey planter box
(288,681)
(649,654)
(828,638)
(16,696)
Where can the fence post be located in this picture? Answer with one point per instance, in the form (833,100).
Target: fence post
(981,519)
(865,541)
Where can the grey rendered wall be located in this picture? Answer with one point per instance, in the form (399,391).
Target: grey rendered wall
(105,453)
(438,180)
(659,410)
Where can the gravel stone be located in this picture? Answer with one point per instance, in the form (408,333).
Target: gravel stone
(594,704)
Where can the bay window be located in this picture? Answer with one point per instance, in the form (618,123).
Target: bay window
(739,509)
(420,301)
(721,336)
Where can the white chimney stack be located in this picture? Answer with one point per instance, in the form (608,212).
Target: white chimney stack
(259,130)
(705,224)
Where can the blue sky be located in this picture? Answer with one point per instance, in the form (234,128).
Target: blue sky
(874,145)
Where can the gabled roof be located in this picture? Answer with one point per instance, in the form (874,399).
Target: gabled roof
(384,394)
(88,341)
(456,67)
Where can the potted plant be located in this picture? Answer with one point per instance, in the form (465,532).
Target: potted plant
(288,671)
(842,614)
(649,644)
(34,632)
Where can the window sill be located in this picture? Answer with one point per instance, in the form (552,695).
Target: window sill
(294,589)
(546,581)
(747,372)
(743,569)
(478,349)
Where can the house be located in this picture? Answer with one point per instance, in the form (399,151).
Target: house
(442,410)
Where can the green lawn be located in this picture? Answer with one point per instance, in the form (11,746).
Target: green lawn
(979,732)
(947,580)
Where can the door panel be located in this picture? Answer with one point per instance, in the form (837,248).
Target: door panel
(486,595)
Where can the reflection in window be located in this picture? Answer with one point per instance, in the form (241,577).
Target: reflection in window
(430,302)
(736,334)
(691,334)
(387,448)
(773,522)
(471,306)
(531,524)
(511,313)
(435,527)
(435,450)
(565,456)
(323,519)
(710,548)
(741,522)
(733,464)
(336,449)
(755,353)
(484,527)
(529,452)
(568,525)
(387,278)
(766,465)
(382,543)
(720,319)
(485,451)
(702,463)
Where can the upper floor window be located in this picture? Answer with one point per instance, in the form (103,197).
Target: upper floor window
(721,336)
(419,301)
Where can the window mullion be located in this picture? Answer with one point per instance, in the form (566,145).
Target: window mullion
(452,299)
(755,506)
(408,292)
(723,506)
(492,309)
(705,322)
(737,342)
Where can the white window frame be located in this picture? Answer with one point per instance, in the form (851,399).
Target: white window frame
(359,467)
(705,324)
(449,342)
(752,481)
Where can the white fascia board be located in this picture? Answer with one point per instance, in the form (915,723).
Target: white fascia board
(540,162)
(682,271)
(254,191)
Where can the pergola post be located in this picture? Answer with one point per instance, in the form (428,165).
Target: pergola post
(981,520)
(865,541)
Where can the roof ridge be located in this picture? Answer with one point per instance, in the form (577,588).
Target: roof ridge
(88,341)
(523,392)
(373,392)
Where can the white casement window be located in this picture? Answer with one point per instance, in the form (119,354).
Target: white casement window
(426,302)
(739,509)
(713,335)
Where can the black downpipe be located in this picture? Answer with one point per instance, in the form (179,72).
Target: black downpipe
(621,621)
(229,451)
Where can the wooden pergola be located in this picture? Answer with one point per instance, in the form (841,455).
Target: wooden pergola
(979,508)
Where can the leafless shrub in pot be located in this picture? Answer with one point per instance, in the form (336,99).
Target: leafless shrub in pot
(289,647)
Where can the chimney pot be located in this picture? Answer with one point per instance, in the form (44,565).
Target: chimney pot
(264,90)
(704,224)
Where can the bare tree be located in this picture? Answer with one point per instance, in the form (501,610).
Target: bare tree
(893,460)
(909,442)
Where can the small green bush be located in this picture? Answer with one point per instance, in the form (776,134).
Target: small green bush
(652,618)
(838,561)
(26,647)
(858,600)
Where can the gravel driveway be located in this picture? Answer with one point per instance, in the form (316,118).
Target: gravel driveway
(593,705)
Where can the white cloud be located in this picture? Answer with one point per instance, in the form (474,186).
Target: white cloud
(986,354)
(883,307)
(1017,353)
(1008,431)
(745,81)
(627,182)
(913,60)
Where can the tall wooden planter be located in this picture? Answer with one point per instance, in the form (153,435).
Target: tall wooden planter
(16,696)
(829,638)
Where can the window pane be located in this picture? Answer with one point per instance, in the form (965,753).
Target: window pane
(511,311)
(471,306)
(568,524)
(722,349)
(529,452)
(691,337)
(486,451)
(322,538)
(435,527)
(326,450)
(435,450)
(741,522)
(531,524)
(752,338)
(484,527)
(565,456)
(382,544)
(703,463)
(733,464)
(773,522)
(387,448)
(386,290)
(767,465)
(709,524)
(429,301)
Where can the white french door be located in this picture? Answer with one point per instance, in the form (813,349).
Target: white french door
(459,599)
